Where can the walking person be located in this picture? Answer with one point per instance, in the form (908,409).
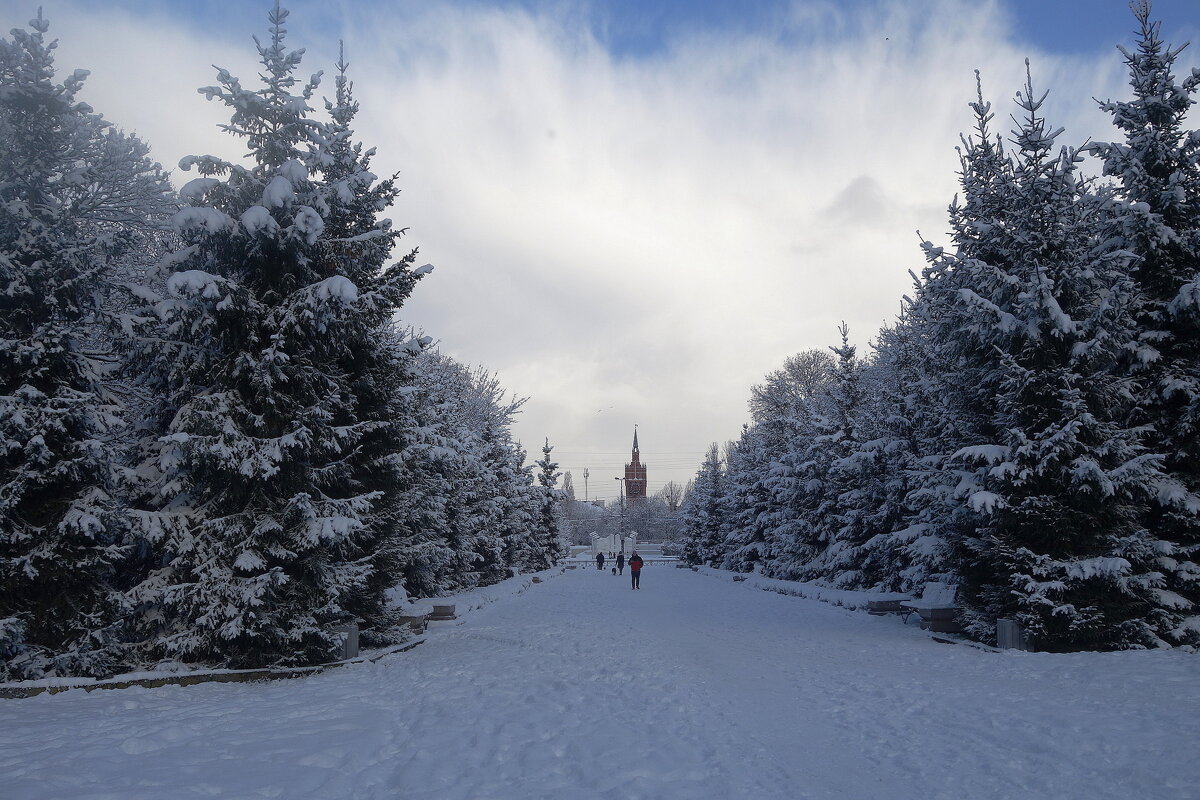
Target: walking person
(621,563)
(600,561)
(635,569)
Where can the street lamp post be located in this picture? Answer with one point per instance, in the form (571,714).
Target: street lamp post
(621,519)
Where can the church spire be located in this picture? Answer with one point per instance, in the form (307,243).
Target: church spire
(635,473)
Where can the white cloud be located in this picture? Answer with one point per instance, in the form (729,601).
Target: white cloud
(640,238)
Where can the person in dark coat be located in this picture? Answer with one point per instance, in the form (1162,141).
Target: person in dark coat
(621,563)
(600,561)
(635,569)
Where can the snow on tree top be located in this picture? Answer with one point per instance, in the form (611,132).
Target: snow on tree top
(308,224)
(196,188)
(279,192)
(990,453)
(1092,567)
(201,217)
(293,171)
(338,287)
(194,281)
(985,502)
(256,218)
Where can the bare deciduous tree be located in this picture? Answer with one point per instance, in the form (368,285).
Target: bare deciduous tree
(672,495)
(802,377)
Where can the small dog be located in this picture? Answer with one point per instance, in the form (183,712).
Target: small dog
(614,570)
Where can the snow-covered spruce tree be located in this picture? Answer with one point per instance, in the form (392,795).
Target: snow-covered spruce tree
(479,497)
(437,466)
(1037,318)
(1158,173)
(807,487)
(748,502)
(502,504)
(379,381)
(784,409)
(903,433)
(553,546)
(76,198)
(516,506)
(795,484)
(846,470)
(262,511)
(873,480)
(704,512)
(957,378)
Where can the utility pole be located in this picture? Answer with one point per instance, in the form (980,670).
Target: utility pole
(585,477)
(621,519)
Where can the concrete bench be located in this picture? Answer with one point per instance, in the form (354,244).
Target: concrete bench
(881,608)
(936,607)
(417,623)
(415,616)
(442,610)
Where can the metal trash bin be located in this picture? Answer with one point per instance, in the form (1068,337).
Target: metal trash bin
(1009,635)
(349,631)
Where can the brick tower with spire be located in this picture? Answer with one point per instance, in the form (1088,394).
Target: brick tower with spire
(635,473)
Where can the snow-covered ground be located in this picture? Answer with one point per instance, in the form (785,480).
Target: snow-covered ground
(694,687)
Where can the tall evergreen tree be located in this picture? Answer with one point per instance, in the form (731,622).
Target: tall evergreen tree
(796,487)
(909,488)
(845,468)
(431,470)
(76,197)
(785,409)
(553,547)
(1038,319)
(477,501)
(377,380)
(811,495)
(513,506)
(748,502)
(1158,173)
(957,377)
(263,510)
(704,513)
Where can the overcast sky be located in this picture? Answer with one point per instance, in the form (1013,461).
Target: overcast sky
(636,209)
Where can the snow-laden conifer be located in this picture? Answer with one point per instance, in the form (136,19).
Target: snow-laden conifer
(846,466)
(76,200)
(747,507)
(1157,168)
(785,409)
(1035,311)
(472,503)
(703,512)
(379,381)
(552,545)
(264,508)
(905,428)
(796,485)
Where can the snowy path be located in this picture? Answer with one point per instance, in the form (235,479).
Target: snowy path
(694,687)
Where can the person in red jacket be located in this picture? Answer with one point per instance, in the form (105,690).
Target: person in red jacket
(635,569)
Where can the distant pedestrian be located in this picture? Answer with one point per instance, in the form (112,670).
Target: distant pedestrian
(600,561)
(621,563)
(635,569)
